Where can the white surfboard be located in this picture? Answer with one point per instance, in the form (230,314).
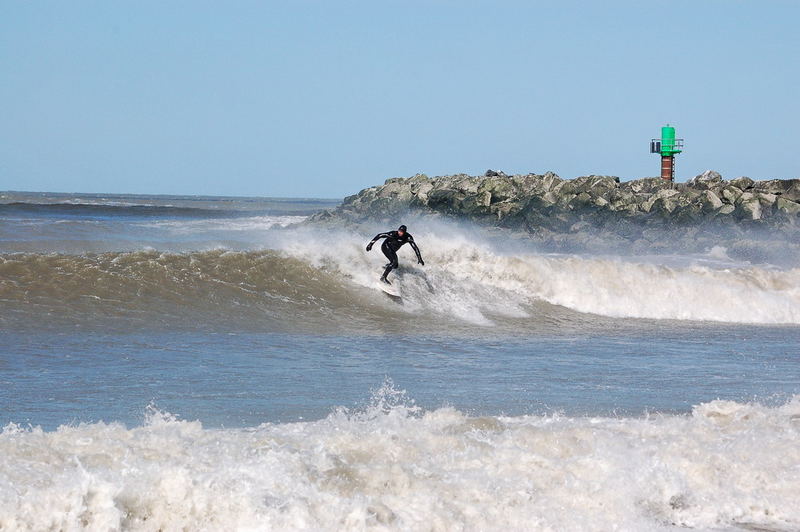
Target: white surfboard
(389,289)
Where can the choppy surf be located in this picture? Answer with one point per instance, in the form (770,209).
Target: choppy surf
(394,466)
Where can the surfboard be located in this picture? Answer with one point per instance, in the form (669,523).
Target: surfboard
(390,290)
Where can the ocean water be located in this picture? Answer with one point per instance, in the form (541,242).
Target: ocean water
(188,363)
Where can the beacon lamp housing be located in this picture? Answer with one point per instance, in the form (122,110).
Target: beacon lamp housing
(667,145)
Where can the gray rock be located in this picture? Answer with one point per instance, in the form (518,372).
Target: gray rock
(494,173)
(787,206)
(711,202)
(600,201)
(743,183)
(660,197)
(793,192)
(749,207)
(581,199)
(706,180)
(767,199)
(731,193)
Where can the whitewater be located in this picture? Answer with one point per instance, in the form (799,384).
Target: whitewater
(393,466)
(219,364)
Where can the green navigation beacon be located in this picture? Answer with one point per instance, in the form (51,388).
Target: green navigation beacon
(667,146)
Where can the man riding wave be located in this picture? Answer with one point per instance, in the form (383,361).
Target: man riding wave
(394,241)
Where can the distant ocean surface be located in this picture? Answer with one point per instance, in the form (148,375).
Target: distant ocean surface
(208,363)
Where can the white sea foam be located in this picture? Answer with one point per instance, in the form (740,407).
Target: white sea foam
(394,467)
(466,277)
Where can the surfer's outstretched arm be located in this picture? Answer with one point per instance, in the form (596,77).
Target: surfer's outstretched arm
(416,250)
(376,238)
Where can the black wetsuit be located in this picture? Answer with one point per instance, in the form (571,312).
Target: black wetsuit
(390,246)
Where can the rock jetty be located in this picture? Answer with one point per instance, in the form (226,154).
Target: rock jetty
(571,212)
(537,201)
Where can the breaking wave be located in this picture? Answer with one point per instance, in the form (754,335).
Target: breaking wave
(393,466)
(302,280)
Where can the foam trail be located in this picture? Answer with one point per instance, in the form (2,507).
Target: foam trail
(392,466)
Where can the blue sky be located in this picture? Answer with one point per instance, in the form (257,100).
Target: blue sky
(320,99)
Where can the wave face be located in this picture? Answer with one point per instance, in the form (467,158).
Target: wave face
(304,281)
(286,290)
(148,287)
(392,466)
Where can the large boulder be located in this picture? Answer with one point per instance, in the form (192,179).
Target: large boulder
(538,184)
(494,173)
(743,183)
(446,200)
(731,193)
(786,206)
(661,200)
(711,202)
(749,206)
(706,180)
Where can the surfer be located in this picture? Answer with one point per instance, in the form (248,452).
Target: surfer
(394,241)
